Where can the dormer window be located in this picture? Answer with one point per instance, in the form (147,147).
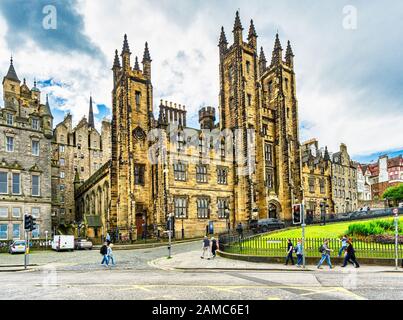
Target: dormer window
(35,124)
(10,119)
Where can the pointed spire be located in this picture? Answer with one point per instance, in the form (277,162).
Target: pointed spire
(262,57)
(223,38)
(277,43)
(277,52)
(91,115)
(11,74)
(252,31)
(326,157)
(237,24)
(116,62)
(125,48)
(46,109)
(146,56)
(136,64)
(289,55)
(289,50)
(24,81)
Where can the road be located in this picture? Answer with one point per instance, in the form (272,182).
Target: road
(78,275)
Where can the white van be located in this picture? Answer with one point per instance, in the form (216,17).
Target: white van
(60,243)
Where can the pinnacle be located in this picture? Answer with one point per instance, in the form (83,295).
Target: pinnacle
(252,30)
(262,57)
(125,48)
(146,56)
(136,64)
(116,62)
(223,38)
(289,50)
(237,24)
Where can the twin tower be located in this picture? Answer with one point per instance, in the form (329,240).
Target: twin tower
(254,96)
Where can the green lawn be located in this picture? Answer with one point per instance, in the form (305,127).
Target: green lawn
(331,230)
(275,243)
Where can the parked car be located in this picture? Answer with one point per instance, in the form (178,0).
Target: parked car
(265,225)
(18,246)
(60,243)
(83,244)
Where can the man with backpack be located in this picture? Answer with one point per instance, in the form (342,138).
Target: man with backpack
(104,252)
(325,251)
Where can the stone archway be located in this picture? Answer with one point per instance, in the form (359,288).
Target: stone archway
(273,209)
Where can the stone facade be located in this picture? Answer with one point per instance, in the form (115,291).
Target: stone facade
(25,158)
(80,150)
(344,181)
(317,180)
(92,199)
(258,112)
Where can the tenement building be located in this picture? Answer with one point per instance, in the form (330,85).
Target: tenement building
(344,181)
(25,158)
(77,153)
(242,167)
(316,180)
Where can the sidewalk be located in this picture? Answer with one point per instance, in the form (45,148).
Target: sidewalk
(151,244)
(192,261)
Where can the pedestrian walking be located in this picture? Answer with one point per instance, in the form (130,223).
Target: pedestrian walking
(299,253)
(214,246)
(108,238)
(239,229)
(343,245)
(110,254)
(325,251)
(104,252)
(206,248)
(290,249)
(350,255)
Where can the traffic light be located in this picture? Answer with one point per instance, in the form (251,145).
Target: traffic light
(27,222)
(297,214)
(33,223)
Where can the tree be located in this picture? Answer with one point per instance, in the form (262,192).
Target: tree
(394,193)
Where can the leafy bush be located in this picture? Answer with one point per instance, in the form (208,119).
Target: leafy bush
(377,227)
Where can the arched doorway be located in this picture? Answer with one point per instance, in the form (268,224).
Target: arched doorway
(273,210)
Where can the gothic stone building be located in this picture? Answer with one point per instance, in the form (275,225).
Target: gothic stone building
(25,158)
(77,153)
(243,167)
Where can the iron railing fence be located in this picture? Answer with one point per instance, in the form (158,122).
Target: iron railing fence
(259,245)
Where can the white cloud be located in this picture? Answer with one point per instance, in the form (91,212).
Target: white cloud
(340,73)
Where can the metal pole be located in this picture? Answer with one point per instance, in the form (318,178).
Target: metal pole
(396,240)
(25,253)
(303,234)
(169,235)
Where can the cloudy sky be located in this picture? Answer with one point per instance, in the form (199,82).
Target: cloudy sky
(349,72)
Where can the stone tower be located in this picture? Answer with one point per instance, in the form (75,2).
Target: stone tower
(130,172)
(207,118)
(258,102)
